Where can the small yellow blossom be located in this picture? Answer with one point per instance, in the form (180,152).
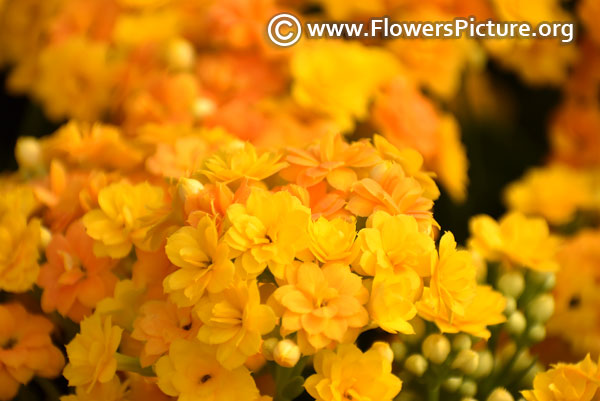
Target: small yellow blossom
(324,306)
(269,230)
(566,382)
(92,353)
(516,240)
(120,221)
(234,321)
(393,243)
(19,251)
(332,240)
(204,263)
(191,372)
(113,390)
(349,374)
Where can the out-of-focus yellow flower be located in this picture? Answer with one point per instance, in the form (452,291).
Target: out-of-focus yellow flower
(349,374)
(516,240)
(555,192)
(332,240)
(123,306)
(269,230)
(159,26)
(391,305)
(324,306)
(532,12)
(390,190)
(234,321)
(393,243)
(566,382)
(26,349)
(236,163)
(485,309)
(92,353)
(120,221)
(339,78)
(19,253)
(453,278)
(113,390)
(204,261)
(191,372)
(75,79)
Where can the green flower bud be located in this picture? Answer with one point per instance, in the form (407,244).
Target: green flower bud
(516,323)
(485,366)
(399,350)
(416,364)
(461,341)
(541,308)
(511,306)
(468,388)
(500,394)
(384,349)
(537,333)
(511,284)
(466,361)
(451,384)
(436,348)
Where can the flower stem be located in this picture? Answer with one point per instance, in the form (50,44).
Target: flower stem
(132,364)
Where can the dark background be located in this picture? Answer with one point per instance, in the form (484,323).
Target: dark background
(498,151)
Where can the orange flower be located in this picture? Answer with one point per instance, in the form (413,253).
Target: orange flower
(158,324)
(26,349)
(324,306)
(74,279)
(390,190)
(333,159)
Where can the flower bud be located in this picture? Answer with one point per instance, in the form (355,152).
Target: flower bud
(286,353)
(416,364)
(436,348)
(511,305)
(541,308)
(550,282)
(268,346)
(523,361)
(545,280)
(180,55)
(511,284)
(399,350)
(516,323)
(537,333)
(419,327)
(466,361)
(468,388)
(28,153)
(451,384)
(461,341)
(203,107)
(384,349)
(189,187)
(468,399)
(486,364)
(500,394)
(45,237)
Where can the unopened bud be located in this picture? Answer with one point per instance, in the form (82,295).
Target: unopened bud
(468,388)
(436,348)
(461,341)
(416,364)
(523,361)
(45,237)
(28,153)
(286,353)
(541,308)
(486,364)
(452,384)
(500,394)
(466,361)
(468,399)
(399,350)
(511,284)
(268,346)
(384,349)
(545,280)
(516,323)
(180,55)
(537,333)
(511,305)
(419,327)
(189,187)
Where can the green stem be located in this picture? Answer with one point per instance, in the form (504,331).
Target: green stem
(132,364)
(433,393)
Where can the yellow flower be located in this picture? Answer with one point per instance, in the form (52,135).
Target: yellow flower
(339,78)
(332,240)
(350,374)
(113,390)
(324,306)
(234,321)
(392,300)
(453,277)
(566,382)
(121,221)
(92,353)
(191,372)
(393,243)
(234,163)
(516,240)
(269,230)
(485,309)
(554,192)
(123,306)
(19,253)
(204,263)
